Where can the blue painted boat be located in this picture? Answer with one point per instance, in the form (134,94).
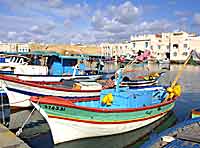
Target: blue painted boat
(54,69)
(183,135)
(116,111)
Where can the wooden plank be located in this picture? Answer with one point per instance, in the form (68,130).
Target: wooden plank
(190,136)
(10,140)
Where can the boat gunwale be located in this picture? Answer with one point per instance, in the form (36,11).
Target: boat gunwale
(33,84)
(194,111)
(71,104)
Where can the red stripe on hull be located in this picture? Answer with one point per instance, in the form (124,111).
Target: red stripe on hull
(16,80)
(70,103)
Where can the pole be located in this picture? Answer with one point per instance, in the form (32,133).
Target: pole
(179,73)
(181,70)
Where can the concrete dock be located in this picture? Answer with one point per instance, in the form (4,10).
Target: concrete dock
(10,140)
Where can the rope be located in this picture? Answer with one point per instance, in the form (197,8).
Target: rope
(20,129)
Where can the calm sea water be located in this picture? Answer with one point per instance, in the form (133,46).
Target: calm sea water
(37,134)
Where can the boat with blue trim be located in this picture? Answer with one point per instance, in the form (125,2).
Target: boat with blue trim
(116,111)
(183,135)
(19,91)
(51,68)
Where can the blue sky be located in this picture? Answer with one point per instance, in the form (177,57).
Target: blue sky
(94,21)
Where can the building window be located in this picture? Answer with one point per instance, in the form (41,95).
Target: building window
(158,46)
(185,53)
(175,54)
(175,46)
(184,45)
(151,47)
(146,44)
(133,45)
(167,46)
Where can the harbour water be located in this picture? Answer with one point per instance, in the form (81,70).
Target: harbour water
(37,134)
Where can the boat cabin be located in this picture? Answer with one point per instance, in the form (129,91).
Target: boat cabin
(69,65)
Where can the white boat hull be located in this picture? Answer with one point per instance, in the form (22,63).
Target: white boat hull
(19,94)
(43,78)
(66,130)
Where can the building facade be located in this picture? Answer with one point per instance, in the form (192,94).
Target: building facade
(15,47)
(175,45)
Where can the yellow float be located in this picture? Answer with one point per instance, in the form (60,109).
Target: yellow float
(108,99)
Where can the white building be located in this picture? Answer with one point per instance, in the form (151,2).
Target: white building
(15,47)
(176,45)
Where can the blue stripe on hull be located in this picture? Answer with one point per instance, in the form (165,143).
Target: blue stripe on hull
(37,94)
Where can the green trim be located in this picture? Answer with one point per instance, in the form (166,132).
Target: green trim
(75,113)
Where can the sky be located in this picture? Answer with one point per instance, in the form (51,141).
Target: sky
(94,21)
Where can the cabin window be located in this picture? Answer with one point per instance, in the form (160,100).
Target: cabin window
(69,62)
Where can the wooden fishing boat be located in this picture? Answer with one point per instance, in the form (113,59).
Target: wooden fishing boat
(183,135)
(19,91)
(142,81)
(55,78)
(116,111)
(55,69)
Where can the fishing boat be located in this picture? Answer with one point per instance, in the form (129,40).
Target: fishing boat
(142,81)
(53,68)
(183,135)
(9,62)
(19,91)
(164,61)
(116,111)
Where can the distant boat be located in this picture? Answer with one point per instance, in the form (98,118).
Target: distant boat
(164,61)
(9,62)
(147,80)
(116,111)
(56,69)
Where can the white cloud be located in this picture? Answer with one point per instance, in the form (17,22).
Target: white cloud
(125,13)
(55,3)
(115,19)
(12,34)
